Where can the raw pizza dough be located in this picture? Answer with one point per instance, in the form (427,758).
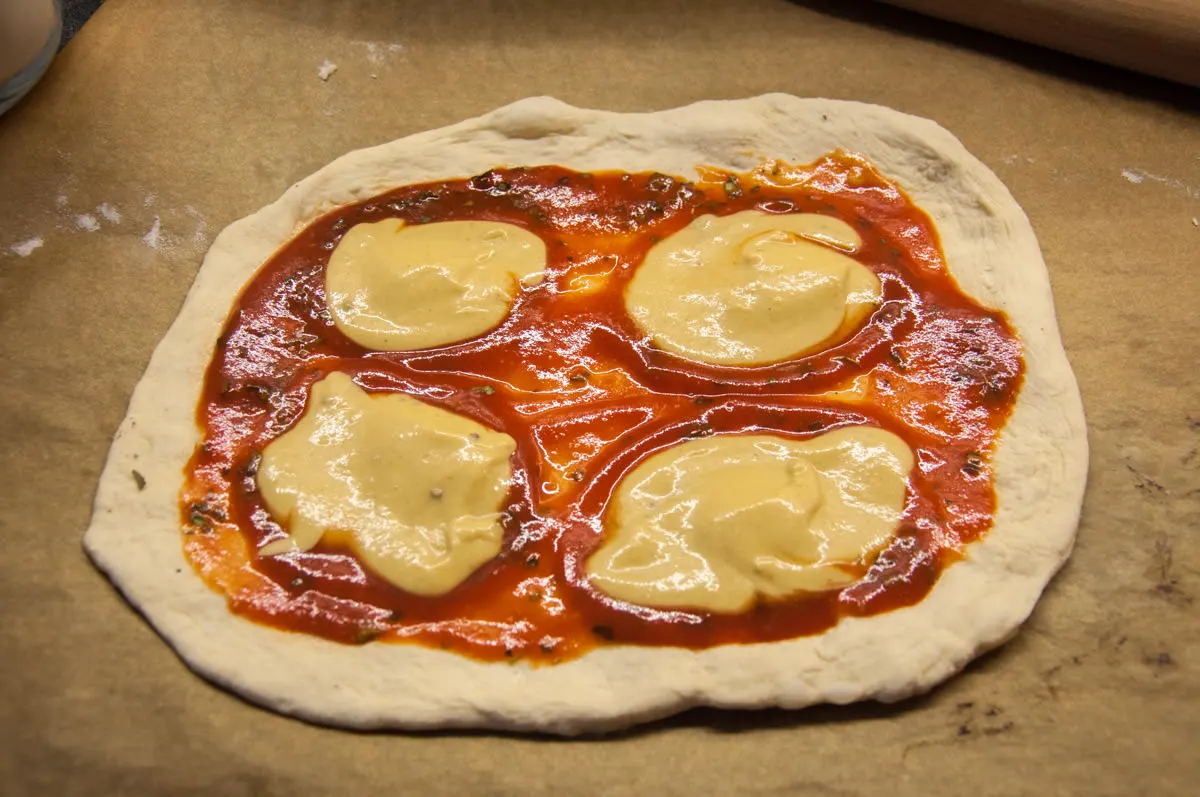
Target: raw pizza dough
(978,603)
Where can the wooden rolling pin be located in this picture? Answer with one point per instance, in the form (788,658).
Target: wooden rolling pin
(1159,37)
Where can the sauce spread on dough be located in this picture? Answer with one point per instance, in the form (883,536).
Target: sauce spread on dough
(586,397)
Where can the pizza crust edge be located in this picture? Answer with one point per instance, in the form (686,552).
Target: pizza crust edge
(1039,467)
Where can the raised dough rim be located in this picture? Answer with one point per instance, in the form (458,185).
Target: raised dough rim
(1040,466)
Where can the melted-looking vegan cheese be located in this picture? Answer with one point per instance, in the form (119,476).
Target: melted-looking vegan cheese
(397,287)
(752,287)
(715,523)
(413,489)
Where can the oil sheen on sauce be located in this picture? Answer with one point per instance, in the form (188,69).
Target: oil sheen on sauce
(586,398)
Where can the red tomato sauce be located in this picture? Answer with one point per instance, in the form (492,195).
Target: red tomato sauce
(586,397)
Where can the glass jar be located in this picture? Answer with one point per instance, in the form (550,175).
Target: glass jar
(30,31)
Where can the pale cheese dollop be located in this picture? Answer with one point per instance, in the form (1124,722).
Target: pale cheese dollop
(714,523)
(752,287)
(392,286)
(416,491)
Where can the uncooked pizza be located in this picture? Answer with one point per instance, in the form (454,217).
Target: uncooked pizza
(564,420)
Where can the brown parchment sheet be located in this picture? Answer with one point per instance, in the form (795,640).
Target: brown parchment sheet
(163,122)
